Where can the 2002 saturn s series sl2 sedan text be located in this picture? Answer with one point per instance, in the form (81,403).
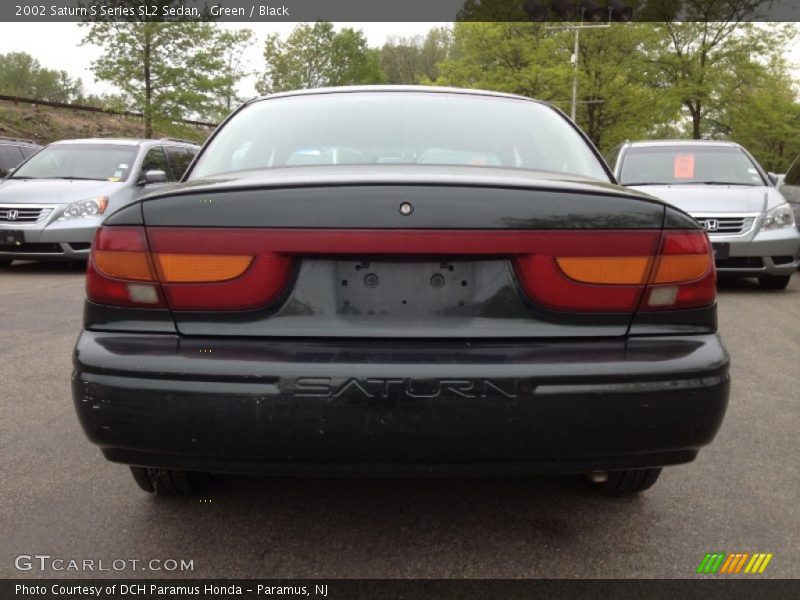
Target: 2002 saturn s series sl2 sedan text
(400,280)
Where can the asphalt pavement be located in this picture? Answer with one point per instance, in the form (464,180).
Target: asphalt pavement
(60,497)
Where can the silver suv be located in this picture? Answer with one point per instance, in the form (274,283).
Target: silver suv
(51,205)
(750,224)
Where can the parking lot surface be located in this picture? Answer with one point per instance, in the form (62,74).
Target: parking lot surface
(61,498)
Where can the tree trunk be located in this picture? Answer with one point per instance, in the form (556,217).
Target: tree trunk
(694,109)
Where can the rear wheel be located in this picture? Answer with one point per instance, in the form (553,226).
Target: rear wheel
(625,483)
(774,282)
(168,482)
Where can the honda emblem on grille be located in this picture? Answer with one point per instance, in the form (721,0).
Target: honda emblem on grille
(12,215)
(710,225)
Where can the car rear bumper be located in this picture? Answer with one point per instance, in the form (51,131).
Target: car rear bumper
(259,406)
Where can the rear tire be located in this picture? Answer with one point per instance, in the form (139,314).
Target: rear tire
(168,482)
(631,481)
(774,282)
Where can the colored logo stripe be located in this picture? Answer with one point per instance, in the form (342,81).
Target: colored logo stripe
(711,563)
(758,563)
(721,562)
(734,563)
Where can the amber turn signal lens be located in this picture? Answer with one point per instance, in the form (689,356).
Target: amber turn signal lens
(119,264)
(200,268)
(606,270)
(681,268)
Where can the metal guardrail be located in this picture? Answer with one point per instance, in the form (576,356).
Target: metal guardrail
(95,109)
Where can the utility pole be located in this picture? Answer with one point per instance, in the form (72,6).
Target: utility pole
(574,110)
(573,113)
(616,10)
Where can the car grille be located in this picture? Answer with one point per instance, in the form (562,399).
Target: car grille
(27,214)
(726,225)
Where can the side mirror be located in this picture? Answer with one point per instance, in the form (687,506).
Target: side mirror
(773,177)
(153,177)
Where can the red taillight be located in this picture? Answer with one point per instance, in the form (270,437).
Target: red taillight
(240,269)
(120,271)
(683,274)
(588,271)
(205,274)
(620,271)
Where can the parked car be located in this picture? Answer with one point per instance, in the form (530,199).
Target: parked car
(53,203)
(400,280)
(790,188)
(752,228)
(12,152)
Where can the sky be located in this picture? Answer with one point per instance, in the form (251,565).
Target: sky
(58,46)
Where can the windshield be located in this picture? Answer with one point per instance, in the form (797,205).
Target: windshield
(104,162)
(399,128)
(688,164)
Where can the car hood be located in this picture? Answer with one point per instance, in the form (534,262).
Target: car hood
(716,198)
(52,191)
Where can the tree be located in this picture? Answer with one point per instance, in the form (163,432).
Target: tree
(232,45)
(169,70)
(618,96)
(416,59)
(317,56)
(698,55)
(763,114)
(22,75)
(521,58)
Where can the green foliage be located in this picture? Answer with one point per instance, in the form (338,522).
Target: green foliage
(617,95)
(412,60)
(645,80)
(763,114)
(168,70)
(616,100)
(520,58)
(317,56)
(699,58)
(22,75)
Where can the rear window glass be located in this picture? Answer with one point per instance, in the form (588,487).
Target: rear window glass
(373,128)
(685,164)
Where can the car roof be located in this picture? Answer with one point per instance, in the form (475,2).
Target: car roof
(654,143)
(354,89)
(125,141)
